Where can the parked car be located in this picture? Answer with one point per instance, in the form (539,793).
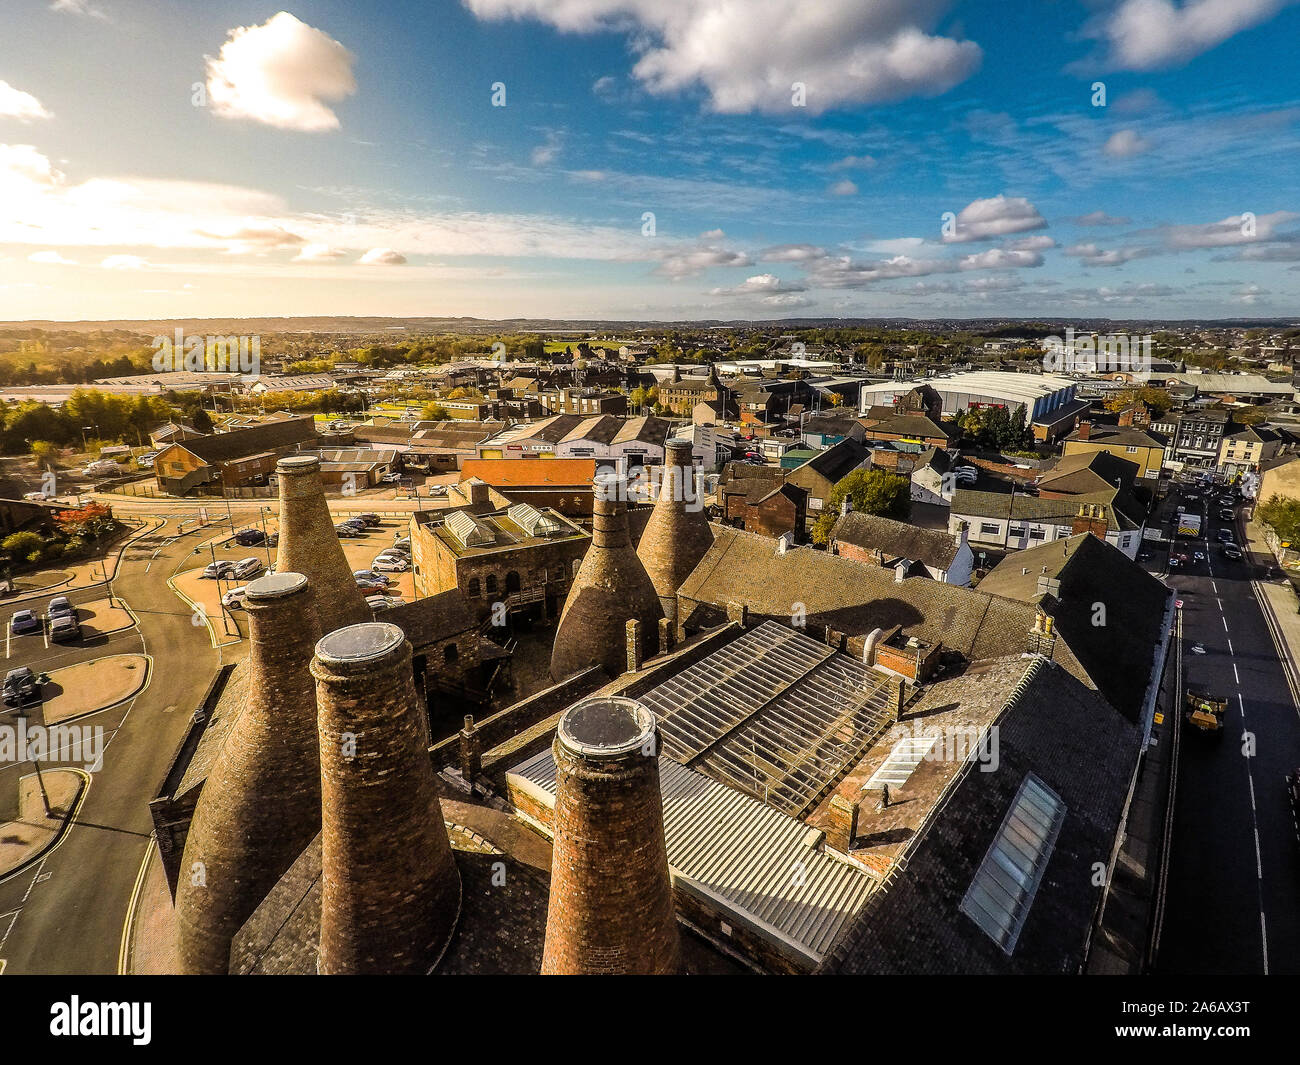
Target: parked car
(273,540)
(369,585)
(102,468)
(437,490)
(38,497)
(357,523)
(234,599)
(390,564)
(1223,535)
(216,571)
(348,530)
(24,621)
(64,627)
(146,460)
(390,478)
(1226,515)
(249,537)
(59,606)
(1198,556)
(22,686)
(1232,551)
(246,567)
(377,602)
(369,518)
(402,543)
(371,575)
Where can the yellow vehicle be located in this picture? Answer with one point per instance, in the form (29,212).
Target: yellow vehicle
(1204,711)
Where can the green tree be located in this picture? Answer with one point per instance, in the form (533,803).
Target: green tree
(434,412)
(21,545)
(45,452)
(871,492)
(1282,515)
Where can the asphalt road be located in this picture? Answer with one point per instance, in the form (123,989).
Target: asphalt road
(65,915)
(1233,900)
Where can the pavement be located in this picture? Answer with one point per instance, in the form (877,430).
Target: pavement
(1230,904)
(65,914)
(89,687)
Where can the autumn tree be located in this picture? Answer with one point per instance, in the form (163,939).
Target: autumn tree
(871,492)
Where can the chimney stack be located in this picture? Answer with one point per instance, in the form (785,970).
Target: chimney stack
(665,636)
(390,889)
(846,505)
(1085,429)
(634,651)
(677,535)
(309,545)
(611,587)
(261,804)
(611,908)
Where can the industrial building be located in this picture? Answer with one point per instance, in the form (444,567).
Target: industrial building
(1038,394)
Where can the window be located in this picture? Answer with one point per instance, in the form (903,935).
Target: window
(450,654)
(1017,530)
(475,589)
(492,584)
(1038,533)
(1131,450)
(1062,531)
(989,528)
(1003,890)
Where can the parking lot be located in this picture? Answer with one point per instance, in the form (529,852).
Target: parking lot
(206,593)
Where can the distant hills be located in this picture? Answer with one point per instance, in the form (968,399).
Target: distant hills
(399,326)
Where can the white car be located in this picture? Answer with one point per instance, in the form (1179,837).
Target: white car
(234,599)
(370,575)
(38,497)
(246,567)
(389,564)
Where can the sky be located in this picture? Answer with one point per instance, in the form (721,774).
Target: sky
(649,159)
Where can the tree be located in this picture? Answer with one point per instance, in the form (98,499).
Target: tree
(22,545)
(434,412)
(45,452)
(871,492)
(1282,515)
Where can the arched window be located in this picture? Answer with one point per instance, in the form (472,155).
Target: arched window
(512,582)
(492,584)
(475,589)
(450,654)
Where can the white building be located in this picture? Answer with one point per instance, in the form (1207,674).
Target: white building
(1037,393)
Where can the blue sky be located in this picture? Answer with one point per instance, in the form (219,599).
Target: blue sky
(942,159)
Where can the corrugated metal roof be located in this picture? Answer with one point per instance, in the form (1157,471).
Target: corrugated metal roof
(744,858)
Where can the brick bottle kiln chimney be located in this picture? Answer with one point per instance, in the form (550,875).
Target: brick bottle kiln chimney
(309,544)
(611,588)
(260,805)
(677,535)
(611,905)
(390,889)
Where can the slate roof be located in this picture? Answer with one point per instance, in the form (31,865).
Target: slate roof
(1076,744)
(837,461)
(916,425)
(1087,471)
(896,539)
(852,598)
(1119,436)
(974,503)
(227,447)
(1116,656)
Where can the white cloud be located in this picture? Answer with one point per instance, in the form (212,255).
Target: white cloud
(679,264)
(382,257)
(124,262)
(1091,255)
(1100,218)
(767,285)
(1125,144)
(792,253)
(1146,34)
(50,258)
(78,7)
(1235,229)
(997,216)
(1038,242)
(844,51)
(843,188)
(281,73)
(14,103)
(545,154)
(854,162)
(318,253)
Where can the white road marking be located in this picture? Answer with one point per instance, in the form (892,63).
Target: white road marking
(1225,624)
(1263,934)
(1235,674)
(1230,650)
(1259,862)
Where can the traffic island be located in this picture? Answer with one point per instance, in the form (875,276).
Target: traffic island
(89,687)
(33,830)
(102,618)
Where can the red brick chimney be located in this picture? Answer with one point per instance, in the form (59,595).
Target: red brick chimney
(611,587)
(390,889)
(1085,429)
(677,535)
(611,907)
(309,544)
(260,805)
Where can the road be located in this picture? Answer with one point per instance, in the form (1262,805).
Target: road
(1233,899)
(65,914)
